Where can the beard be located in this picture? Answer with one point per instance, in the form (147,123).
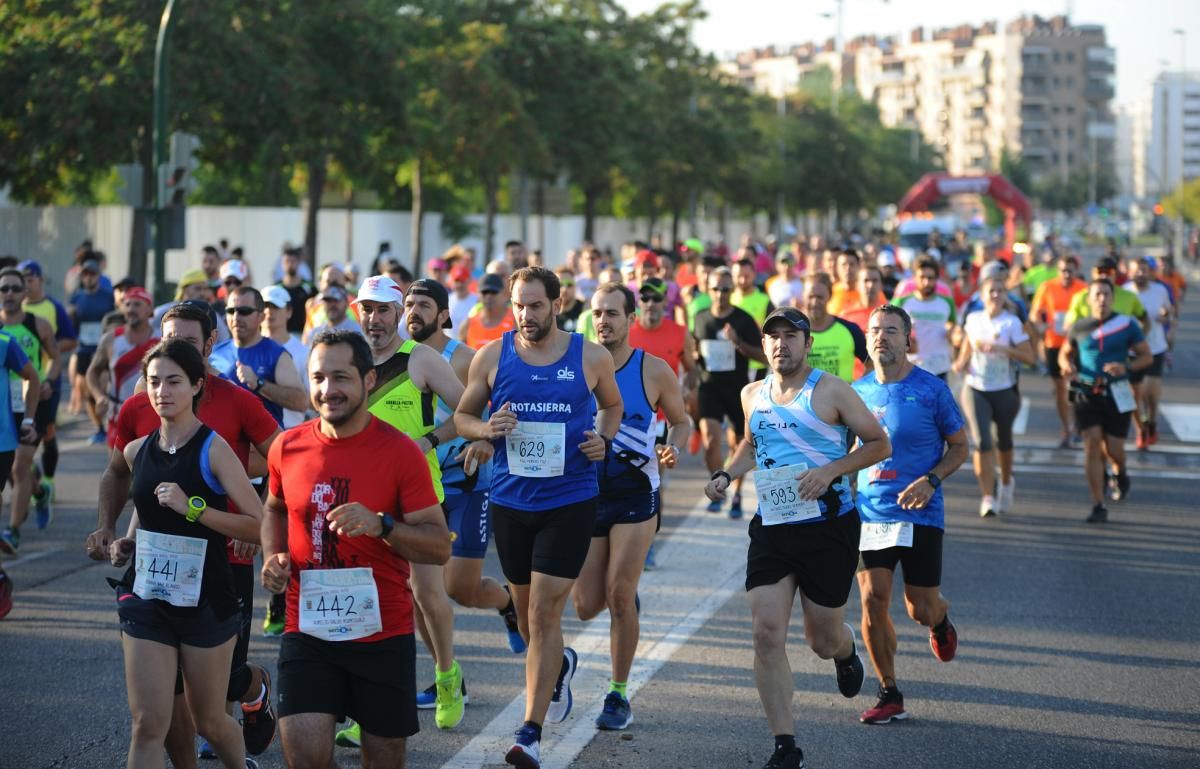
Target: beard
(352,408)
(541,332)
(421,332)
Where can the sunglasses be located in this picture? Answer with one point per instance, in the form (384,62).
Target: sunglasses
(722,289)
(489,292)
(11,289)
(655,298)
(243,311)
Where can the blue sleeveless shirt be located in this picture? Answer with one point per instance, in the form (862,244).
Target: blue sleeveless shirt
(557,393)
(454,475)
(632,465)
(262,356)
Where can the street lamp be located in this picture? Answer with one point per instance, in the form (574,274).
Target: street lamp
(1183,81)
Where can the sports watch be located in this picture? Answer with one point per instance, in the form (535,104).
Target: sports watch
(387,523)
(196,508)
(934,481)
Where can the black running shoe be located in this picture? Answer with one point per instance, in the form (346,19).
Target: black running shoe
(1099,514)
(258,726)
(850,673)
(786,759)
(1122,488)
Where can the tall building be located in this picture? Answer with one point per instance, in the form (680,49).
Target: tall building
(1172,138)
(1039,88)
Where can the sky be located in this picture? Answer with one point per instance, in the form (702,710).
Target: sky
(1139,30)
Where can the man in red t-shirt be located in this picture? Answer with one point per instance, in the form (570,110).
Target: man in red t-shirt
(240,418)
(338,536)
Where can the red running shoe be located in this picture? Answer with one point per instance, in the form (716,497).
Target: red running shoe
(5,594)
(889,707)
(944,642)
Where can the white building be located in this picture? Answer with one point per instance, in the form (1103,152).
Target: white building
(1172,143)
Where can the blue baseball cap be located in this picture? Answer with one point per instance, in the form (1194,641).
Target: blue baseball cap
(30,266)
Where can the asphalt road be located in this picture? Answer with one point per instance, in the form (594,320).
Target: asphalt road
(1077,643)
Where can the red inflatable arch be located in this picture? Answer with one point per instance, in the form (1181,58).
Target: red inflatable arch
(1011,200)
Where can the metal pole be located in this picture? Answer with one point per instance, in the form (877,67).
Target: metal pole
(837,48)
(779,201)
(1180,227)
(160,148)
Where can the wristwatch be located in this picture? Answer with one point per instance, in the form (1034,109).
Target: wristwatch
(719,473)
(196,508)
(259,386)
(387,523)
(433,440)
(934,481)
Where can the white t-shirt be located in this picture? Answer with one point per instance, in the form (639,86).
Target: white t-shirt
(299,354)
(461,308)
(1154,298)
(929,319)
(788,293)
(989,372)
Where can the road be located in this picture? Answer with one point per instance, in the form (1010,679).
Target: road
(1077,643)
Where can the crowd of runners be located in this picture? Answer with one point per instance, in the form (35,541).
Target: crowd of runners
(353,445)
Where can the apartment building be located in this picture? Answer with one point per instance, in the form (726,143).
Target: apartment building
(1171,136)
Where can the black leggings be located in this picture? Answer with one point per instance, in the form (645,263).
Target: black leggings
(49,457)
(983,408)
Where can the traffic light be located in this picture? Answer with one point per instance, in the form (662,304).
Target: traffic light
(177,178)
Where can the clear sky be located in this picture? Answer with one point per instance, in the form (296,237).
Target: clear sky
(1139,30)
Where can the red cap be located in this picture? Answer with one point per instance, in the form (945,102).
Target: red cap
(646,257)
(460,272)
(140,294)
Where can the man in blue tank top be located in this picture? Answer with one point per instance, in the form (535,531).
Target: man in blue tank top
(259,364)
(629,490)
(805,534)
(546,386)
(900,500)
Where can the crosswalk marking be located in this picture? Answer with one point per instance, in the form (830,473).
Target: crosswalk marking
(1184,419)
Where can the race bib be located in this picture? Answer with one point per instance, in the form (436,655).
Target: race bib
(779,496)
(537,449)
(993,370)
(16,395)
(1122,395)
(169,567)
(339,604)
(718,355)
(1060,323)
(881,536)
(90,333)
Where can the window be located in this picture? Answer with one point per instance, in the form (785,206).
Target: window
(1070,56)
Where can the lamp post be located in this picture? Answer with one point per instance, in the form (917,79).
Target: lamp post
(1180,232)
(160,148)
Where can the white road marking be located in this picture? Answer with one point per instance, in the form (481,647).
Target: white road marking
(1134,472)
(1184,420)
(1021,423)
(33,557)
(675,608)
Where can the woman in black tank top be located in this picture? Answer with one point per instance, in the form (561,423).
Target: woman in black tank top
(177,604)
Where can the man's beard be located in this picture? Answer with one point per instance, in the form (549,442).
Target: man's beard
(422,332)
(541,333)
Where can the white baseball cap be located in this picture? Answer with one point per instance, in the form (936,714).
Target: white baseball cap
(886,259)
(379,288)
(276,295)
(235,268)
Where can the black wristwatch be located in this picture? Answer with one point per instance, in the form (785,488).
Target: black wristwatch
(387,523)
(259,386)
(719,473)
(934,481)
(433,440)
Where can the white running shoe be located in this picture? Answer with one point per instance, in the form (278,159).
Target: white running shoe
(1004,500)
(987,506)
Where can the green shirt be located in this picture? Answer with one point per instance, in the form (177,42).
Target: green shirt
(1124,302)
(397,401)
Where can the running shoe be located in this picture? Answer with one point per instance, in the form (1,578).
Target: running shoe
(735,507)
(525,752)
(206,753)
(10,541)
(694,441)
(251,763)
(1004,500)
(850,673)
(786,759)
(41,504)
(449,698)
(350,737)
(1120,487)
(1140,439)
(274,621)
(944,642)
(889,707)
(258,725)
(987,506)
(1099,514)
(651,561)
(560,701)
(511,626)
(6,590)
(1152,433)
(616,714)
(98,438)
(1065,442)
(714,507)
(427,699)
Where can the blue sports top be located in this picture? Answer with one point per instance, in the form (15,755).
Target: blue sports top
(632,465)
(262,356)
(792,434)
(454,475)
(553,394)
(14,359)
(917,413)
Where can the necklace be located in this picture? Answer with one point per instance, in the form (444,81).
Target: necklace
(174,445)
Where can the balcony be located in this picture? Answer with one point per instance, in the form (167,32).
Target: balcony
(1098,91)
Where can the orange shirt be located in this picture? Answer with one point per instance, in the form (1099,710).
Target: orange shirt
(1177,283)
(1050,305)
(843,300)
(666,341)
(478,334)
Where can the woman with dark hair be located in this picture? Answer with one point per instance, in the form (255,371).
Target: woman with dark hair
(177,605)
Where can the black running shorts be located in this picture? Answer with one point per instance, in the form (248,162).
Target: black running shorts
(553,542)
(822,556)
(1099,410)
(721,401)
(372,682)
(630,508)
(922,563)
(155,621)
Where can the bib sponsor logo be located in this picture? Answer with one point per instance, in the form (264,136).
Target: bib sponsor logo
(566,375)
(542,408)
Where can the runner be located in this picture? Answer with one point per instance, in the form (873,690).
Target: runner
(1147,383)
(784,288)
(88,306)
(1096,358)
(900,500)
(242,421)
(836,342)
(933,319)
(119,354)
(1048,313)
(36,338)
(629,503)
(466,496)
(548,437)
(494,317)
(993,339)
(572,305)
(728,339)
(805,534)
(183,478)
(339,537)
(756,303)
(277,314)
(409,378)
(14,434)
(334,302)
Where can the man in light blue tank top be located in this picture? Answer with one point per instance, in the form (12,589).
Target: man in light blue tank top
(901,501)
(805,534)
(629,490)
(545,386)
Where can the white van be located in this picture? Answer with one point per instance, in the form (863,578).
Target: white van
(914,236)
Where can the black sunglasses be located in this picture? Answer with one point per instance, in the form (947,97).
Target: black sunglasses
(722,289)
(243,311)
(489,292)
(11,289)
(652,297)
